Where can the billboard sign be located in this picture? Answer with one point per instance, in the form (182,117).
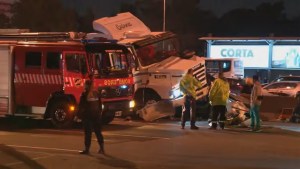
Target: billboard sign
(253,56)
(286,56)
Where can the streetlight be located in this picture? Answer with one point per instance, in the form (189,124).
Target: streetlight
(164,24)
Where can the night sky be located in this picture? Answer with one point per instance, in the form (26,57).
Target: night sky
(107,7)
(221,6)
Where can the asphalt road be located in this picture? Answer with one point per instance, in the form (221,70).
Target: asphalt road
(141,145)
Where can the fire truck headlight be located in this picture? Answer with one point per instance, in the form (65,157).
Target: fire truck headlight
(124,87)
(131,104)
(71,108)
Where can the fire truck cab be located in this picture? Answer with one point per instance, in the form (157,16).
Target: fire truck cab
(42,75)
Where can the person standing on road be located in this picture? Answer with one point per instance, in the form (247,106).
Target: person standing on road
(188,85)
(218,96)
(255,102)
(90,112)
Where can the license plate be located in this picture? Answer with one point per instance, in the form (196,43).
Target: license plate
(118,113)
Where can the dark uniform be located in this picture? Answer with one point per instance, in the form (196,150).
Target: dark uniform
(90,113)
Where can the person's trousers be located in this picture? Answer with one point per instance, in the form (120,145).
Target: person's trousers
(218,116)
(189,109)
(89,125)
(255,117)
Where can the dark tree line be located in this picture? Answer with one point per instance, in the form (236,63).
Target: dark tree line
(185,18)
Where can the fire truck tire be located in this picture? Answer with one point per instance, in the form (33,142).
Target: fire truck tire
(60,116)
(107,117)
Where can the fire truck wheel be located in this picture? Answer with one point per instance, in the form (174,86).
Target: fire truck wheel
(107,117)
(60,116)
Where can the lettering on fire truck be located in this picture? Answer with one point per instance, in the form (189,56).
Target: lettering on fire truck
(114,82)
(78,82)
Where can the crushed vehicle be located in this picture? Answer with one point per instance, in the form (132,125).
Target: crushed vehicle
(237,111)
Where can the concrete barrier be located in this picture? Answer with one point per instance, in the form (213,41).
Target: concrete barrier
(273,106)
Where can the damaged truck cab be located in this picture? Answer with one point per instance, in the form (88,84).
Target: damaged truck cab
(159,63)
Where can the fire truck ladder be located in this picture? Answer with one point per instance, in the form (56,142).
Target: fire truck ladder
(35,36)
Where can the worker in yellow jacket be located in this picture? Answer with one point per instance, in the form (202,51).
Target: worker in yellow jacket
(188,86)
(218,96)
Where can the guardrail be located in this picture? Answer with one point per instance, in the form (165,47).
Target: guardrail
(274,107)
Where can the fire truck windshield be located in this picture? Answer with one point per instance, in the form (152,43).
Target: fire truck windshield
(157,52)
(110,63)
(76,63)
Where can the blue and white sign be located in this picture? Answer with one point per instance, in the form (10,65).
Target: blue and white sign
(253,56)
(286,56)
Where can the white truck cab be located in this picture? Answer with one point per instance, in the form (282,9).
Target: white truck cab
(159,65)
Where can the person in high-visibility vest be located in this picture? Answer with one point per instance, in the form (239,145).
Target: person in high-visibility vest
(218,96)
(188,85)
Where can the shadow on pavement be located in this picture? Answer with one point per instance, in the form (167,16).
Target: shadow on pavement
(15,123)
(30,124)
(116,162)
(20,157)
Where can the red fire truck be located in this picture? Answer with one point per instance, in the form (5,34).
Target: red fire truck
(42,74)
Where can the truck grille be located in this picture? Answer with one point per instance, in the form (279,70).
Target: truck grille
(115,91)
(200,74)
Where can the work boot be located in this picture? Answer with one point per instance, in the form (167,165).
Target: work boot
(101,150)
(257,129)
(213,126)
(194,127)
(222,126)
(85,151)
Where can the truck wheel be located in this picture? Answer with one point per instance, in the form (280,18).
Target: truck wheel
(60,115)
(146,99)
(107,117)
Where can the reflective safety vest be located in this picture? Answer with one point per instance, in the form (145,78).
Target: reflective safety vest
(219,92)
(188,85)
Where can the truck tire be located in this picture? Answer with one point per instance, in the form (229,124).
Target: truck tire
(61,117)
(146,98)
(107,117)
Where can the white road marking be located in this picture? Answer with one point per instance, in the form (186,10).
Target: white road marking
(37,158)
(138,136)
(43,148)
